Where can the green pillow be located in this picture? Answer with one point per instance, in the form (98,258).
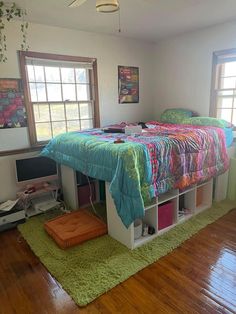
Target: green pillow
(207,121)
(176,115)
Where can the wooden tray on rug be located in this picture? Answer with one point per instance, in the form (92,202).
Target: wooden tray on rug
(74,228)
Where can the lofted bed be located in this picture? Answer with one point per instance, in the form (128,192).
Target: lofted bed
(163,162)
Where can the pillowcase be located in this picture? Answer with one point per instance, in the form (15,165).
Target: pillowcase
(208,121)
(176,115)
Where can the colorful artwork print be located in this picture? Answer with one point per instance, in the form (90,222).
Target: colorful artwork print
(12,109)
(128,84)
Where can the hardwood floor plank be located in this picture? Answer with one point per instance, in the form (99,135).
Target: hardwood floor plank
(197,277)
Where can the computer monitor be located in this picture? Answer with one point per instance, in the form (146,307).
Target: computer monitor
(35,169)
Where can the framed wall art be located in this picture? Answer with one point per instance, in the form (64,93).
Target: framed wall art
(128,84)
(12,109)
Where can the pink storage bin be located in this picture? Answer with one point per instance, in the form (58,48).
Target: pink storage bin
(165,215)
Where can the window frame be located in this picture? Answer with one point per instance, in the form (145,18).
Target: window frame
(219,58)
(26,89)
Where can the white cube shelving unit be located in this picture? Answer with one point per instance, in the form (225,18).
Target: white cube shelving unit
(116,228)
(195,199)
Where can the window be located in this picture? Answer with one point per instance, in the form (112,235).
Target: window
(60,94)
(223,98)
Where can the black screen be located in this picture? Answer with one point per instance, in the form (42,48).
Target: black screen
(34,168)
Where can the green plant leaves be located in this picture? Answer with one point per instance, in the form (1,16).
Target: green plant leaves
(7,13)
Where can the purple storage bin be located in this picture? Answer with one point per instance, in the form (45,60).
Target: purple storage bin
(84,194)
(165,215)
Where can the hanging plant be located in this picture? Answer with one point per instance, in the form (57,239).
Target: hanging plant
(9,11)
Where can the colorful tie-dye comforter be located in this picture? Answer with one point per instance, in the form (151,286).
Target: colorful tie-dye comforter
(163,157)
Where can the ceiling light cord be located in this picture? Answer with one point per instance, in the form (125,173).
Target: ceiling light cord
(119,29)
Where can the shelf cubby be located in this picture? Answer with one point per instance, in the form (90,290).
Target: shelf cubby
(151,218)
(203,196)
(167,213)
(187,204)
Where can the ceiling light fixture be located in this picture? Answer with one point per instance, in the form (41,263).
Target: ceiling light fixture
(107,6)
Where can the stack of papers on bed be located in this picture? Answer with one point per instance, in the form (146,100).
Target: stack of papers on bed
(136,129)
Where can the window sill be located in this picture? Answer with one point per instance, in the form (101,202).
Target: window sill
(21,151)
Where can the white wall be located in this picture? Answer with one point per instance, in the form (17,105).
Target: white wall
(110,52)
(184,66)
(14,139)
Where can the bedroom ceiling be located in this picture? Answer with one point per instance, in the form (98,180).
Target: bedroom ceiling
(149,20)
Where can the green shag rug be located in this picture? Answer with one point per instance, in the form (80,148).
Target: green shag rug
(91,269)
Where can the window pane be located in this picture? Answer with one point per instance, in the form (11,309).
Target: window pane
(81,75)
(67,75)
(230,69)
(73,125)
(43,131)
(224,114)
(226,102)
(68,92)
(86,111)
(57,112)
(41,112)
(229,82)
(52,74)
(86,124)
(37,92)
(58,127)
(33,92)
(83,92)
(39,74)
(30,71)
(54,92)
(226,93)
(41,92)
(72,111)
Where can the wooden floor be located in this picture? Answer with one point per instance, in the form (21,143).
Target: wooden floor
(198,277)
